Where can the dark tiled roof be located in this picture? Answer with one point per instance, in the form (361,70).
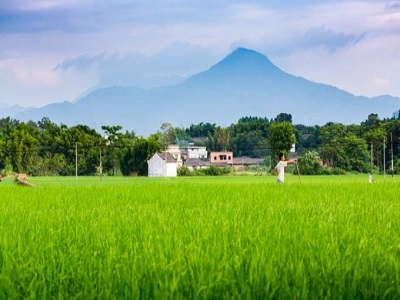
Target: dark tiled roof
(196,162)
(245,160)
(170,158)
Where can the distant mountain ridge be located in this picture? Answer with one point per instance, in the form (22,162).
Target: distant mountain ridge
(244,83)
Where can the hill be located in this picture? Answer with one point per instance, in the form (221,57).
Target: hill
(244,83)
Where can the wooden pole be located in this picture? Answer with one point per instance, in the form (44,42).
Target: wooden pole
(384,158)
(76,160)
(101,165)
(298,171)
(372,155)
(391,150)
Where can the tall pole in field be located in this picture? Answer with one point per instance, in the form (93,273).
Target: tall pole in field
(391,150)
(298,171)
(76,160)
(101,163)
(384,158)
(372,155)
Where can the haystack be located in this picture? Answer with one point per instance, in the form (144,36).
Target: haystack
(21,179)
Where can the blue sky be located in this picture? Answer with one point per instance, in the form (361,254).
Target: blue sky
(56,50)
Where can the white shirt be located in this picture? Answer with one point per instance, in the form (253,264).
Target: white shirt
(280,167)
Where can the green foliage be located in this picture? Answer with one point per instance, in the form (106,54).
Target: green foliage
(201,130)
(220,140)
(310,163)
(307,138)
(281,138)
(210,171)
(135,159)
(332,152)
(45,148)
(356,154)
(184,171)
(249,137)
(213,171)
(283,117)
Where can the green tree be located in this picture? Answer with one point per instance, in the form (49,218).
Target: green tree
(281,138)
(221,139)
(23,148)
(332,151)
(114,142)
(7,127)
(392,128)
(310,163)
(283,117)
(374,134)
(201,130)
(249,137)
(135,159)
(356,153)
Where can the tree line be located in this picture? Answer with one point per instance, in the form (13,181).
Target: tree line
(44,148)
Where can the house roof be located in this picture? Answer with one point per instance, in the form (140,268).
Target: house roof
(245,160)
(196,162)
(167,155)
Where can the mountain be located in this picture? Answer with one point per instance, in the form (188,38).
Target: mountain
(11,110)
(245,83)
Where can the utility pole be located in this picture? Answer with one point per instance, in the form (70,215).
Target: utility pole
(165,162)
(101,165)
(384,158)
(76,160)
(372,155)
(391,150)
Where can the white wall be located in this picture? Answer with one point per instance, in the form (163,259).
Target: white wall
(155,166)
(172,170)
(197,152)
(158,168)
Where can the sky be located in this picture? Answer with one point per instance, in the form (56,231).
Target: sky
(57,50)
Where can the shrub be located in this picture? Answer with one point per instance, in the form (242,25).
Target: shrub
(184,171)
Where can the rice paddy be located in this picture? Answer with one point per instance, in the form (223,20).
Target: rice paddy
(335,237)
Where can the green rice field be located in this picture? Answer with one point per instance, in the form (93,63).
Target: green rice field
(234,237)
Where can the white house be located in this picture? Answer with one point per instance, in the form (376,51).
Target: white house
(176,153)
(196,151)
(162,165)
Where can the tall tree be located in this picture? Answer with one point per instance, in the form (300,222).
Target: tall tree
(374,135)
(332,151)
(281,138)
(135,160)
(249,137)
(114,142)
(221,139)
(283,117)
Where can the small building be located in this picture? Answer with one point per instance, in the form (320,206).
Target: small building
(245,161)
(175,151)
(162,165)
(196,163)
(196,151)
(221,158)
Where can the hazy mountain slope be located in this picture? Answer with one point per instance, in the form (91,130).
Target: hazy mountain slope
(245,83)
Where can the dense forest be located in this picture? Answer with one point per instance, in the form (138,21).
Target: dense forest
(44,148)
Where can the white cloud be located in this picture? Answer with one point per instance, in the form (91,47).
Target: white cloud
(59,48)
(36,5)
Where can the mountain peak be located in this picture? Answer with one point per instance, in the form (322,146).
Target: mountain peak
(248,59)
(241,65)
(245,53)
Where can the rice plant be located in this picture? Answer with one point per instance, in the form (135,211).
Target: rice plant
(200,238)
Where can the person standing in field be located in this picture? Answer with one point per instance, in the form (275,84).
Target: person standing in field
(280,167)
(371,178)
